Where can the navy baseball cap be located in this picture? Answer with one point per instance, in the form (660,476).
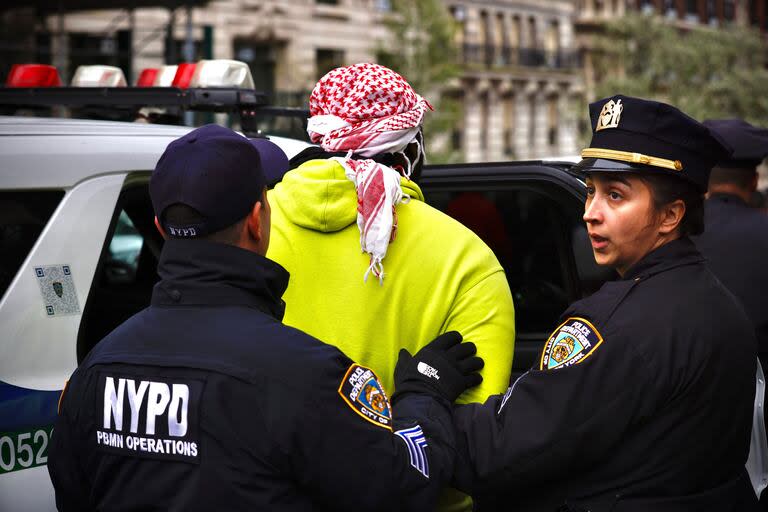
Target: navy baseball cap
(749,143)
(649,137)
(213,170)
(274,162)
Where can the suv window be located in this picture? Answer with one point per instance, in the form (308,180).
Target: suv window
(23,215)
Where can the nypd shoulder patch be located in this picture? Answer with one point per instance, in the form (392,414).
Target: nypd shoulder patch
(571,343)
(363,392)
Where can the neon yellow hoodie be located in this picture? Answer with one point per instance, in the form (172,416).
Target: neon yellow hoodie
(439,276)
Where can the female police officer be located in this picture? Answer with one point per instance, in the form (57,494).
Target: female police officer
(642,397)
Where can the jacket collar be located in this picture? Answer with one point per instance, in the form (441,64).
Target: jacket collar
(196,272)
(723,197)
(670,255)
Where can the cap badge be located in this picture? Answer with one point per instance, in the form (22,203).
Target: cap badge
(609,116)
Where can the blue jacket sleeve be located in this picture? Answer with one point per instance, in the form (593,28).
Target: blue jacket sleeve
(66,475)
(349,460)
(551,422)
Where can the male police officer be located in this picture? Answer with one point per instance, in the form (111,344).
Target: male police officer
(735,241)
(205,401)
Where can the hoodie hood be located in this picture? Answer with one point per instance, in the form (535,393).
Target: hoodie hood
(317,195)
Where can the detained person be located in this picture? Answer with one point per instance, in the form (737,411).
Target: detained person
(642,397)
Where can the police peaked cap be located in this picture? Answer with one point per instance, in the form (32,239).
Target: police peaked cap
(649,137)
(749,143)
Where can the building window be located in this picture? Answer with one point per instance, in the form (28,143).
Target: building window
(486,38)
(459,13)
(754,13)
(552,120)
(515,33)
(328,2)
(670,9)
(261,59)
(509,125)
(533,38)
(457,136)
(501,37)
(327,59)
(599,6)
(692,11)
(384,5)
(485,119)
(647,6)
(531,124)
(765,15)
(729,10)
(552,43)
(711,14)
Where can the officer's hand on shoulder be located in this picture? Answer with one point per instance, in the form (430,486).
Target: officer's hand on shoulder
(445,367)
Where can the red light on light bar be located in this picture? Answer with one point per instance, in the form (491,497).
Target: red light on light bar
(33,75)
(147,77)
(184,75)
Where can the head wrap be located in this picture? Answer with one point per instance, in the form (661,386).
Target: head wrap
(368,109)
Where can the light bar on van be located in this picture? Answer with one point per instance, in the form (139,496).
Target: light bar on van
(33,75)
(147,77)
(165,76)
(222,73)
(98,76)
(184,75)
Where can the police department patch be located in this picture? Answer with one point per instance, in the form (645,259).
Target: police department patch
(362,391)
(571,343)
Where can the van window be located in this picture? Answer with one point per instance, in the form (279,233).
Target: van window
(23,215)
(127,270)
(124,249)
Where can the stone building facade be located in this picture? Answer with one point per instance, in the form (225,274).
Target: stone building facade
(519,86)
(287,43)
(521,80)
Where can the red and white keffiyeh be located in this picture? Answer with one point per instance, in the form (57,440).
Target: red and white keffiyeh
(368,109)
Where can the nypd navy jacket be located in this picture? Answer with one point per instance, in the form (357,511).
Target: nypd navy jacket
(205,401)
(641,400)
(735,243)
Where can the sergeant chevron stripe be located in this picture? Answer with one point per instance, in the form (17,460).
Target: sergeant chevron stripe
(417,444)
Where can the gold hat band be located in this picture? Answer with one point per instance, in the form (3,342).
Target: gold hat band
(635,158)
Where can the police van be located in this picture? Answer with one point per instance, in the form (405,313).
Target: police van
(78,248)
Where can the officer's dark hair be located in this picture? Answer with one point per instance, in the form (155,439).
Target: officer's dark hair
(666,189)
(181,215)
(741,177)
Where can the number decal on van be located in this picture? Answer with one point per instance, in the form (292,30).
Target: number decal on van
(22,450)
(26,422)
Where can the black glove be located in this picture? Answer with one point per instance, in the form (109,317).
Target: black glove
(445,367)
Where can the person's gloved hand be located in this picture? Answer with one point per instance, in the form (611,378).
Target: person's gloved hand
(445,367)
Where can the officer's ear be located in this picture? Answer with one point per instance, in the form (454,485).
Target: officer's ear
(255,223)
(671,216)
(160,229)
